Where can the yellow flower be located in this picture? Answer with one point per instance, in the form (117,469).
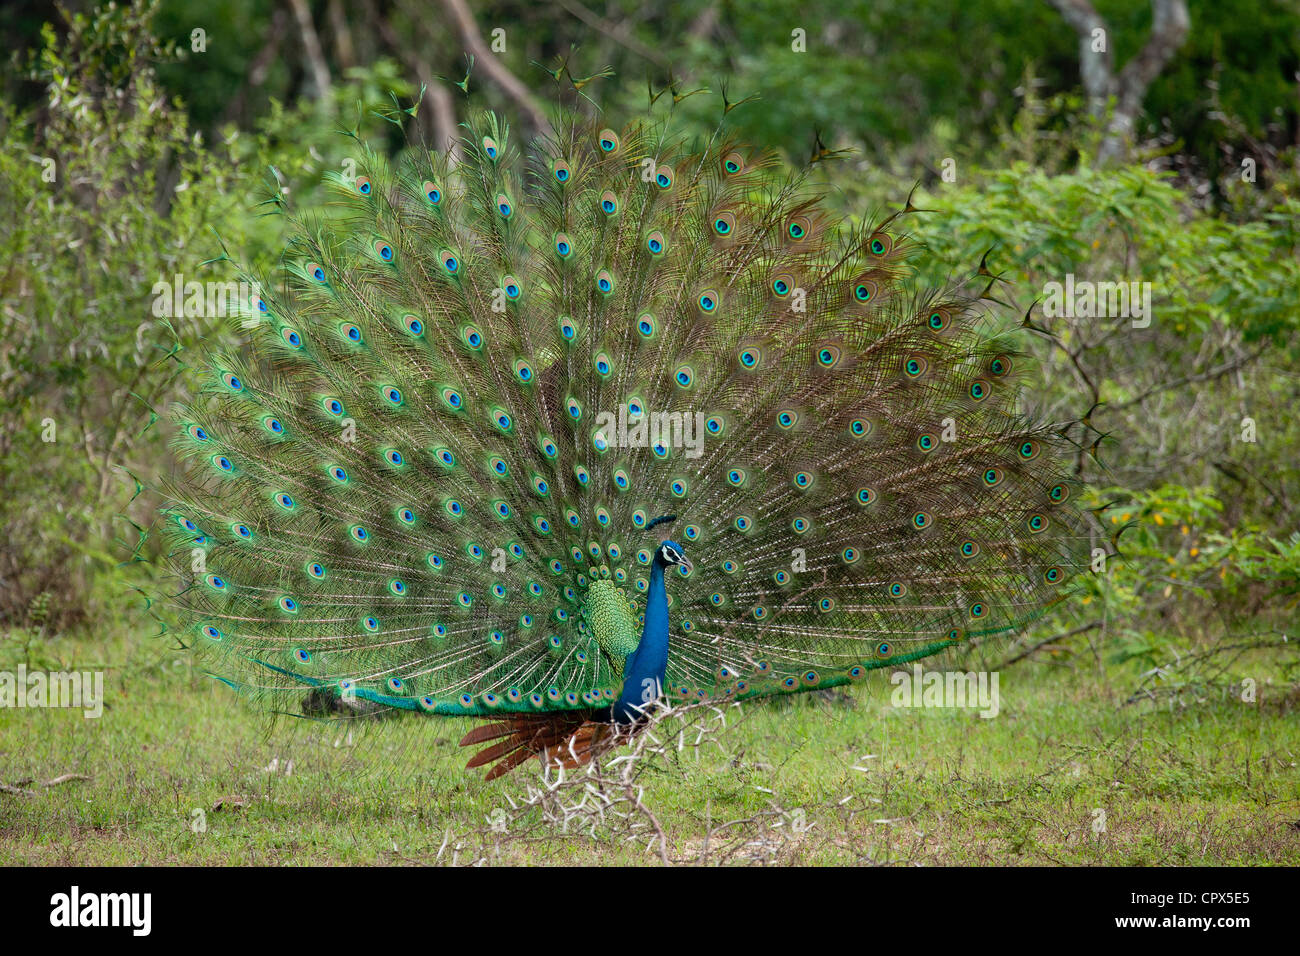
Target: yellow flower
(1194,552)
(1159,518)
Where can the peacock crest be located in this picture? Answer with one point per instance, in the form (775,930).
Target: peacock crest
(436,480)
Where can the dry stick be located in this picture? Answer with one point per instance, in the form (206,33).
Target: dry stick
(654,822)
(619,33)
(320,71)
(463,20)
(443,109)
(64,778)
(1196,377)
(1043,643)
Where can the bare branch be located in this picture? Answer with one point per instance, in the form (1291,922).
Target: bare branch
(320,71)
(463,20)
(1207,375)
(618,32)
(1082,629)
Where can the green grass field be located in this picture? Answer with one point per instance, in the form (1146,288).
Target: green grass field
(1066,774)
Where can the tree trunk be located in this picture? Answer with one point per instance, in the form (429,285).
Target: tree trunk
(1169,26)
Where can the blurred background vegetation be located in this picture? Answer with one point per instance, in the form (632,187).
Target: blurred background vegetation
(136,140)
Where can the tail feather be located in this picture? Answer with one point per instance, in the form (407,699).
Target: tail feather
(586,743)
(486,732)
(505,766)
(566,739)
(494,753)
(467,395)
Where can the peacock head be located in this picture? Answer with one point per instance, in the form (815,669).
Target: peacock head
(670,553)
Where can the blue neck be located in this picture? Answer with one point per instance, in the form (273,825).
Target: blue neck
(643,672)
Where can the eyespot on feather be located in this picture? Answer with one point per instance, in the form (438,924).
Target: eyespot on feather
(607,140)
(880,244)
(799,228)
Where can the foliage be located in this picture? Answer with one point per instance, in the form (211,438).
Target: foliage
(108,193)
(1179,401)
(876,74)
(1195,400)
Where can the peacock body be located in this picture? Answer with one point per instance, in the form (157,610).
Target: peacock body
(545,439)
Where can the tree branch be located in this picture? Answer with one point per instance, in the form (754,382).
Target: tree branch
(1082,629)
(1095,67)
(440,122)
(463,20)
(320,71)
(1169,26)
(619,33)
(1205,376)
(258,68)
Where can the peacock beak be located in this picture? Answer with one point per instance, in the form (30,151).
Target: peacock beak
(685,562)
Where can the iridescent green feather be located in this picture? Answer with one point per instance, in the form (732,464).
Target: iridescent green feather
(427,483)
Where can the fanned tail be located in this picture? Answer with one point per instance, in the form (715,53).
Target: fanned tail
(430,484)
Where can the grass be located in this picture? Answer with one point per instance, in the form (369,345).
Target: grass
(1065,774)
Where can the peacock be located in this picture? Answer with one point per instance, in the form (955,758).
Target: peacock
(548,434)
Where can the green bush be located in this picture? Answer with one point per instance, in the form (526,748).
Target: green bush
(1196,408)
(108,193)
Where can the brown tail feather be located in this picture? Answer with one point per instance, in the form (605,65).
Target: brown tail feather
(581,746)
(486,732)
(493,753)
(505,766)
(563,739)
